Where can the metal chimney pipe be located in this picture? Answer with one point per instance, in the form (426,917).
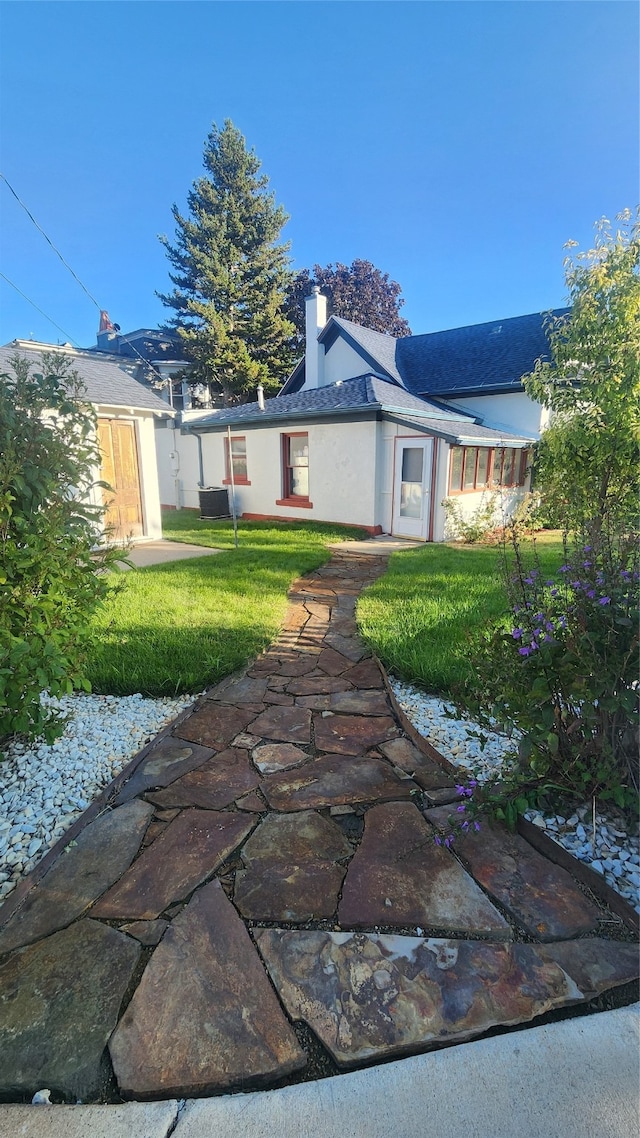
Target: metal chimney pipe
(261,397)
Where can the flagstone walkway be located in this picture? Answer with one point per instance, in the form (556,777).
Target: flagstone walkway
(264,899)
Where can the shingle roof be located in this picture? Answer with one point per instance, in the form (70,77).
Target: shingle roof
(479,358)
(365,393)
(106,383)
(359,394)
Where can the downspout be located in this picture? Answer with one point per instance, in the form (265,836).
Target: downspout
(434,473)
(200,460)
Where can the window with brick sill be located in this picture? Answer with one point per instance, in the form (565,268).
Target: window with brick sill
(239,459)
(295,471)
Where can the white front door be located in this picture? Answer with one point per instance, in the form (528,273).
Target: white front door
(411,488)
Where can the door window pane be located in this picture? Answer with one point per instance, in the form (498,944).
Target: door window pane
(411,500)
(412,461)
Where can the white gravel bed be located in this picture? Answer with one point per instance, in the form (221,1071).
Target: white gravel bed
(617,852)
(44,788)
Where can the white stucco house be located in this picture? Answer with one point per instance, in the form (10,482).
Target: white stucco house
(126,413)
(374,431)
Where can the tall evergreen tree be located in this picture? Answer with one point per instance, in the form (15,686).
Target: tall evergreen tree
(357,292)
(231,274)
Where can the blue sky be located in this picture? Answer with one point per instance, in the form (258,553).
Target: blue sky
(456,145)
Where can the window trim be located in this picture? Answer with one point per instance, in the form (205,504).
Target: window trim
(519,462)
(288,498)
(238,480)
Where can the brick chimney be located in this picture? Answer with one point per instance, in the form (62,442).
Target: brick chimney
(315,320)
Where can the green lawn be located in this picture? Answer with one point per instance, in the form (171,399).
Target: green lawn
(419,617)
(182,626)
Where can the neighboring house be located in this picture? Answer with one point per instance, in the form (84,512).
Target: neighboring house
(127,413)
(155,358)
(377,432)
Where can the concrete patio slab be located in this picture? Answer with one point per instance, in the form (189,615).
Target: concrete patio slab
(159,552)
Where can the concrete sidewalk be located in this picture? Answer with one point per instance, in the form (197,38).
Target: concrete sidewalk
(574,1079)
(158,552)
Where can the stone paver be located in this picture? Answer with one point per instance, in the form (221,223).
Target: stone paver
(288,795)
(214,725)
(190,850)
(400,877)
(285,724)
(59,1003)
(277,757)
(352,734)
(539,894)
(291,872)
(595,964)
(404,754)
(212,786)
(370,997)
(166,761)
(101,854)
(332,780)
(204,1017)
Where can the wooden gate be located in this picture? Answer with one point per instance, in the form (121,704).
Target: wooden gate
(123,519)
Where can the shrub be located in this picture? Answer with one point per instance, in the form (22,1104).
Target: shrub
(473,528)
(562,675)
(49,579)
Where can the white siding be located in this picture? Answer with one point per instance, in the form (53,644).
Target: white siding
(515,412)
(342,471)
(342,362)
(178,468)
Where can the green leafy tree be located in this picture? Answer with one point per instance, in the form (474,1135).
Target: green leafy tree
(588,459)
(357,292)
(49,565)
(230,274)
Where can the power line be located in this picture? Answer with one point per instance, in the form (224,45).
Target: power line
(146,362)
(42,313)
(50,242)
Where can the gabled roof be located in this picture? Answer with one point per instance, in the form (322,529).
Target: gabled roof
(379,347)
(106,383)
(366,395)
(478,359)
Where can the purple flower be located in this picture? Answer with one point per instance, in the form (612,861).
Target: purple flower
(548,625)
(564,569)
(448,841)
(549,584)
(587,564)
(476,825)
(524,651)
(591,594)
(438,840)
(461,808)
(554,592)
(587,548)
(529,580)
(465,826)
(517,633)
(604,601)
